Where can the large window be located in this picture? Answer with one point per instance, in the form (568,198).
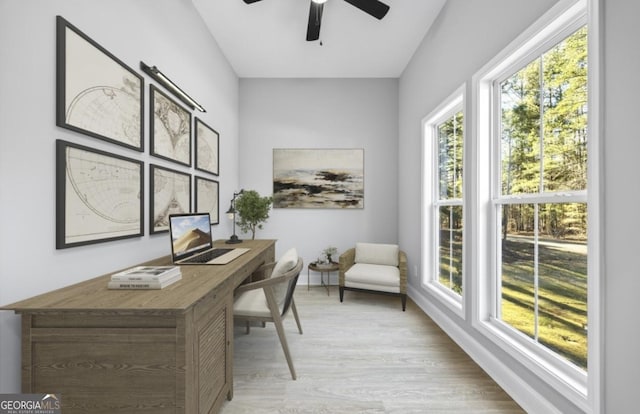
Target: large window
(542,203)
(535,203)
(449,203)
(443,201)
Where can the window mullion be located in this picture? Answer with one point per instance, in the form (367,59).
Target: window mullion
(579,196)
(541,124)
(450,248)
(536,250)
(536,271)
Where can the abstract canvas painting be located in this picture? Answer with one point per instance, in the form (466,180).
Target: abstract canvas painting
(318,178)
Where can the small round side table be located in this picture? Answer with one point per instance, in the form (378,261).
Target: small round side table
(323,268)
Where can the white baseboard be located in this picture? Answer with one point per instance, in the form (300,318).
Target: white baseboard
(527,397)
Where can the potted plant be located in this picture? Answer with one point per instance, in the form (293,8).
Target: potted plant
(253,210)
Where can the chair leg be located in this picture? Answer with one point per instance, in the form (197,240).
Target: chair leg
(341,293)
(285,346)
(248,326)
(404,301)
(295,315)
(277,321)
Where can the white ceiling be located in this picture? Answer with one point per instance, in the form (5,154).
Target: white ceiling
(267,39)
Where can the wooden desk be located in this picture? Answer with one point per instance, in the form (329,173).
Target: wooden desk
(124,351)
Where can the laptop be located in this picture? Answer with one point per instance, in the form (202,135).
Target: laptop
(191,241)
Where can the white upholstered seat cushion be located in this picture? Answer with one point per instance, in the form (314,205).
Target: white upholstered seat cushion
(373,277)
(377,253)
(251,303)
(254,303)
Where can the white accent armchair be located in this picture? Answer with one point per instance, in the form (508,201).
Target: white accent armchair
(374,268)
(269,300)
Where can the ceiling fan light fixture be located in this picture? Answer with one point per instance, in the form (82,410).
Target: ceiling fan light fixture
(374,8)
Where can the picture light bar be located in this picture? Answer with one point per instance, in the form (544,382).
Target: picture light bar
(161,78)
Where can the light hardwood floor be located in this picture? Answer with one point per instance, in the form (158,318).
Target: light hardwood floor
(361,356)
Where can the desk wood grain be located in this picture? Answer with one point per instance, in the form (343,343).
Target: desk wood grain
(117,351)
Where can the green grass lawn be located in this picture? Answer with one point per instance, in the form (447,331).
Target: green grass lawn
(562,291)
(562,295)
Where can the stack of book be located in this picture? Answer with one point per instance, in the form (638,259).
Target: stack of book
(145,277)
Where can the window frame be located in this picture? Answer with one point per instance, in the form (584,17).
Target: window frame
(580,387)
(431,202)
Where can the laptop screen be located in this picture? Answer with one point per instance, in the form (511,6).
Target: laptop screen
(190,234)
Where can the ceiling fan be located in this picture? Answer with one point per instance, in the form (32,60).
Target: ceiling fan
(375,8)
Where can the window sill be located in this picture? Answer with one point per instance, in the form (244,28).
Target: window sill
(564,377)
(450,299)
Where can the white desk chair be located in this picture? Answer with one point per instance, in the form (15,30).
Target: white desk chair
(269,300)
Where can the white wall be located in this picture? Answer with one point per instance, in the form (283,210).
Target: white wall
(622,221)
(166,33)
(323,113)
(465,37)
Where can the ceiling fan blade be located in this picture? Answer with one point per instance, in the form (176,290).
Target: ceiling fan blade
(315,18)
(374,7)
(251,1)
